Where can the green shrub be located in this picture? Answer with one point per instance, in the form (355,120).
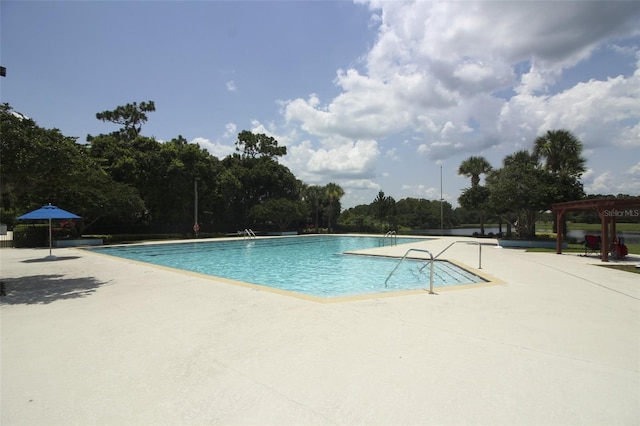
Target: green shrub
(36,235)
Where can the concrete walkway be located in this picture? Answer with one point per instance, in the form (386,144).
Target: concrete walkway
(93,340)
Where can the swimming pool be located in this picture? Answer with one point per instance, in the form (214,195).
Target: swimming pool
(312,265)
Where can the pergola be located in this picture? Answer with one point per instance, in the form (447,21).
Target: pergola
(608,209)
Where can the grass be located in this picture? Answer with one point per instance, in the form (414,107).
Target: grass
(627,268)
(597,226)
(634,248)
(578,225)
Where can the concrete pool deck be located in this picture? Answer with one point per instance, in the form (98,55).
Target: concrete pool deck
(91,339)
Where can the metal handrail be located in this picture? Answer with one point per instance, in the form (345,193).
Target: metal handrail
(248,233)
(393,238)
(430,262)
(466,242)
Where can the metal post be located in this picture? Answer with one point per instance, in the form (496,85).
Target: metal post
(441,205)
(50,238)
(195,206)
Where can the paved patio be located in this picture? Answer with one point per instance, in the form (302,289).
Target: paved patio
(90,339)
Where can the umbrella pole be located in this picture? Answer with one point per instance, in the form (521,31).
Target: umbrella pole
(50,242)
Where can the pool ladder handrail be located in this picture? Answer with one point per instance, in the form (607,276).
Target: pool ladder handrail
(465,242)
(248,233)
(430,263)
(393,238)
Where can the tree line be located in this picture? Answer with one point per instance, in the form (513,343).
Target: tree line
(518,194)
(529,182)
(125,182)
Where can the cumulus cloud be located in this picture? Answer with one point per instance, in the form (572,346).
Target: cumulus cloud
(346,159)
(423,191)
(597,110)
(334,160)
(392,154)
(635,170)
(453,79)
(216,148)
(231,86)
(351,164)
(439,64)
(631,184)
(231,130)
(600,184)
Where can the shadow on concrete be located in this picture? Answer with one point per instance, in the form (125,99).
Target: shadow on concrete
(50,259)
(45,289)
(627,260)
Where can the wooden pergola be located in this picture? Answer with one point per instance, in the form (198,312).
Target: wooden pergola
(608,209)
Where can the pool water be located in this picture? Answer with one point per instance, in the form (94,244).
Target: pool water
(313,265)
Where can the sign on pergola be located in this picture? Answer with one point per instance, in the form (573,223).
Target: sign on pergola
(609,209)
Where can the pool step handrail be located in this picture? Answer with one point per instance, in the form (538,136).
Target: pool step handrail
(248,233)
(430,263)
(393,238)
(465,242)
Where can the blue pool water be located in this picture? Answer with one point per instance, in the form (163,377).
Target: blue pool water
(313,265)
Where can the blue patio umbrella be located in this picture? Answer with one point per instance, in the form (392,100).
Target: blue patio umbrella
(48,212)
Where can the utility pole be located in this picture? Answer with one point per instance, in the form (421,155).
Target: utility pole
(196,227)
(441,205)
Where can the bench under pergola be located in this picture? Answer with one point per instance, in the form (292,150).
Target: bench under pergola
(608,209)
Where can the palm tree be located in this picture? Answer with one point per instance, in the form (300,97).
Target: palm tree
(522,158)
(473,167)
(313,195)
(333,192)
(561,151)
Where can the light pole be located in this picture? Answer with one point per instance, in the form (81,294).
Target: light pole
(196,227)
(441,205)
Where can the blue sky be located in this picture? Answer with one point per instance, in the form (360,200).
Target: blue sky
(371,95)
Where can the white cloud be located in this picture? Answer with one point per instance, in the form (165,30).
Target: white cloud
(453,79)
(217,148)
(423,149)
(473,72)
(600,184)
(344,159)
(608,182)
(595,110)
(423,191)
(351,164)
(631,181)
(535,80)
(437,64)
(231,86)
(635,170)
(231,130)
(392,154)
